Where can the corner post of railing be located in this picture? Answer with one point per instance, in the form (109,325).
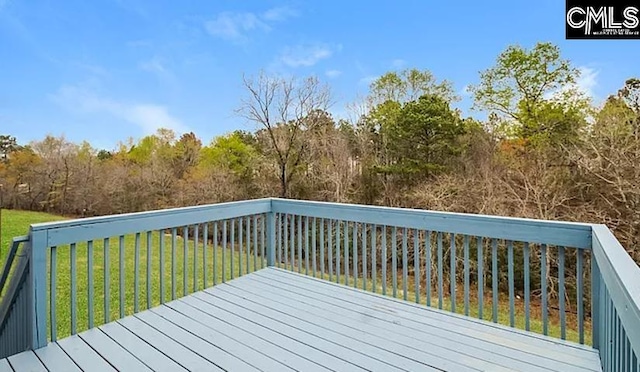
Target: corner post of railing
(271,237)
(37,331)
(595,303)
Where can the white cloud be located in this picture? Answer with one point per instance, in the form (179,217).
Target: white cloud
(587,81)
(147,116)
(157,67)
(333,73)
(279,14)
(398,63)
(367,80)
(236,27)
(305,55)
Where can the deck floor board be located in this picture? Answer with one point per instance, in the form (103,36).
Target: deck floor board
(275,320)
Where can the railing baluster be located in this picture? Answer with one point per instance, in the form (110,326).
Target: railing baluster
(580,304)
(205,267)
(74,295)
(527,286)
(330,249)
(314,246)
(195,257)
(185,258)
(480,254)
(232,252)
(161,255)
(384,260)
(346,252)
(107,281)
(285,238)
(494,279)
(394,261)
(215,253)
(416,264)
(466,273)
(136,274)
(364,257)
(355,254)
(561,293)
(452,272)
(121,272)
(440,271)
(511,284)
(255,244)
(263,251)
(174,242)
(292,241)
(90,314)
(53,269)
(405,264)
(248,244)
(279,244)
(148,282)
(338,223)
(306,245)
(240,246)
(322,248)
(427,266)
(374,261)
(543,288)
(224,250)
(299,244)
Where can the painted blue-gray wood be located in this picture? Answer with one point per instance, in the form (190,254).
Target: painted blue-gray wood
(346,252)
(255,244)
(121,273)
(526,253)
(136,275)
(561,293)
(374,259)
(148,273)
(580,293)
(543,288)
(52,289)
(66,232)
(37,282)
(338,224)
(271,239)
(196,234)
(480,254)
(15,245)
(518,229)
(365,272)
(247,239)
(465,254)
(322,248)
(306,246)
(215,253)
(275,320)
(394,261)
(440,270)
(73,298)
(205,254)
(232,250)
(405,264)
(330,248)
(512,309)
(314,246)
(416,264)
(427,265)
(106,282)
(224,250)
(90,307)
(384,260)
(53,355)
(494,279)
(452,272)
(174,244)
(292,242)
(299,234)
(266,252)
(240,248)
(354,235)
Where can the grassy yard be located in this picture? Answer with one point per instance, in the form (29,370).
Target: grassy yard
(16,223)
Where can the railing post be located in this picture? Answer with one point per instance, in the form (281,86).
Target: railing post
(271,239)
(595,303)
(37,281)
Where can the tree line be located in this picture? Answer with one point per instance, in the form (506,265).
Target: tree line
(543,151)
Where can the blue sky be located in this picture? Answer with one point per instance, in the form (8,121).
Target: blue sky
(106,70)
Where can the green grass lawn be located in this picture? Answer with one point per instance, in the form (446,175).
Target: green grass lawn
(17,223)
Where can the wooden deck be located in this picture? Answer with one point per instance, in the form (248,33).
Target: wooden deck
(274,320)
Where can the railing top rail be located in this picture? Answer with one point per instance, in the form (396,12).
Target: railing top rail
(622,278)
(65,232)
(570,234)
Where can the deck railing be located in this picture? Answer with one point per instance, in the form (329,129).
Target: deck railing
(565,280)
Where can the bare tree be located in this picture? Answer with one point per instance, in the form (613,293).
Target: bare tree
(286,109)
